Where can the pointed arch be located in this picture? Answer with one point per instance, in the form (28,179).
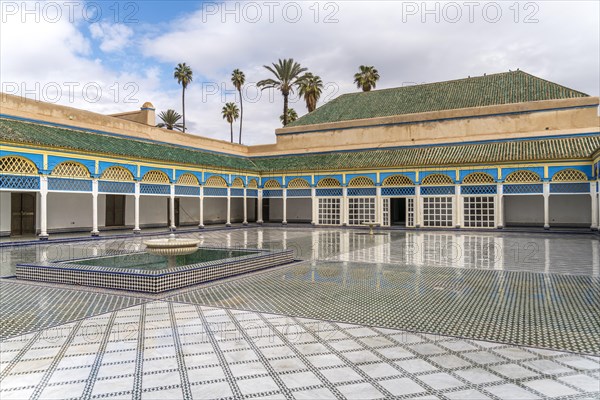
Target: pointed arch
(17,165)
(237,183)
(253,184)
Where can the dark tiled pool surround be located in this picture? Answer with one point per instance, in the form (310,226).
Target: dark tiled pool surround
(86,272)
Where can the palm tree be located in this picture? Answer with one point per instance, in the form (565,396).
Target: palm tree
(238,78)
(170,120)
(230,113)
(183,73)
(287,74)
(292,115)
(366,78)
(311,87)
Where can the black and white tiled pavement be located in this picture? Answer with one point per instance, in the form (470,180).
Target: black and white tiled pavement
(232,339)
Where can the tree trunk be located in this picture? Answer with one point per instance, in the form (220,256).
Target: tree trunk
(231,130)
(241,114)
(285,109)
(183,106)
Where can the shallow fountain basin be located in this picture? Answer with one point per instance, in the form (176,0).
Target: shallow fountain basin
(145,272)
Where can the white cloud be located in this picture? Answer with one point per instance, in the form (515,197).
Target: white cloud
(113,37)
(563,46)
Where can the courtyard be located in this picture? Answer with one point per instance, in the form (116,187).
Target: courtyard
(401,313)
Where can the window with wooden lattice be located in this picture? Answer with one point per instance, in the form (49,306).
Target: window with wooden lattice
(70,169)
(569,175)
(253,184)
(215,181)
(478,178)
(361,181)
(272,184)
(237,183)
(437,179)
(398,180)
(188,180)
(298,183)
(329,182)
(523,176)
(155,176)
(17,165)
(116,174)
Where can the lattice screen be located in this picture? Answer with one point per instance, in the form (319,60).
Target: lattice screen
(271,184)
(155,176)
(569,175)
(253,184)
(188,179)
(238,183)
(215,181)
(398,180)
(298,183)
(523,176)
(17,165)
(329,182)
(70,169)
(361,181)
(117,174)
(437,179)
(478,177)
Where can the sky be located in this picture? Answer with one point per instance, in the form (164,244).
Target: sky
(110,56)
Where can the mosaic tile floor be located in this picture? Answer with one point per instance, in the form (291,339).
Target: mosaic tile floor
(162,350)
(230,339)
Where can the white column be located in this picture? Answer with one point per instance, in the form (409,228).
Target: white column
(228,223)
(259,211)
(594,206)
(43,208)
(201,205)
(499,207)
(284,201)
(378,206)
(417,207)
(458,207)
(245,208)
(315,205)
(95,231)
(344,209)
(546,205)
(136,209)
(172,209)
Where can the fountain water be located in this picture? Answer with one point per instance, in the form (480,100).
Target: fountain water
(171,248)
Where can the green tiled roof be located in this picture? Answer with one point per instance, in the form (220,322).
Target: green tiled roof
(43,135)
(581,147)
(565,148)
(488,90)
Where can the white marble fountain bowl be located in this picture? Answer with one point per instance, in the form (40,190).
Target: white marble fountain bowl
(171,246)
